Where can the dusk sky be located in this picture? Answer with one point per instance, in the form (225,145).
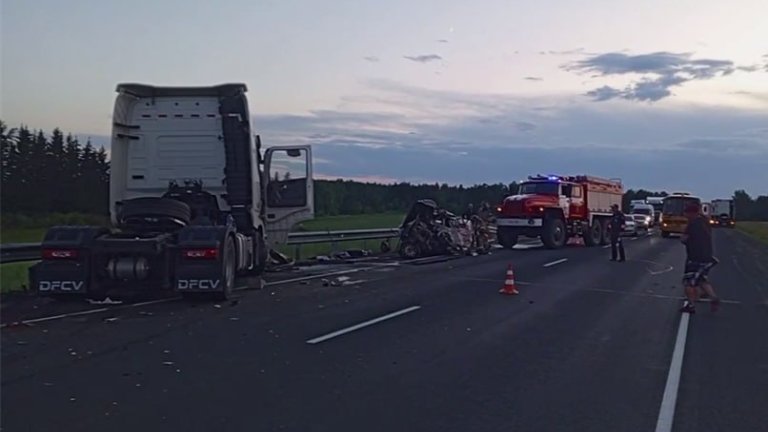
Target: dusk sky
(665,95)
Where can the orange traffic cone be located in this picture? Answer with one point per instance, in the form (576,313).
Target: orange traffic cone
(509,283)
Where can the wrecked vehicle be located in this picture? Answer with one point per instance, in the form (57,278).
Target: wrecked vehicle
(428,230)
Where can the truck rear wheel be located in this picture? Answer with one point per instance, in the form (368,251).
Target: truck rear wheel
(594,233)
(553,234)
(259,254)
(605,234)
(228,269)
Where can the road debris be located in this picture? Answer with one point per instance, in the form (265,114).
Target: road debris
(168,363)
(111,319)
(106,301)
(234,319)
(217,306)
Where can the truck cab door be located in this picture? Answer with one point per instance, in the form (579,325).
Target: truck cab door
(288,190)
(575,203)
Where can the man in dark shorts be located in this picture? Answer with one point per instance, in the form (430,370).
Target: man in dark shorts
(699,259)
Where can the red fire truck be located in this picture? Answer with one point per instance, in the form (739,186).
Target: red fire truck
(556,208)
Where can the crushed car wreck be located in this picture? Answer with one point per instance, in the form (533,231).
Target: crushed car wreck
(429,230)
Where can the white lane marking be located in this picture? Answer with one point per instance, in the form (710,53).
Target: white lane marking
(166,300)
(669,400)
(606,246)
(362,325)
(55,317)
(553,263)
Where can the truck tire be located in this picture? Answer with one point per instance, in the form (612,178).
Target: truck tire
(605,234)
(152,206)
(594,234)
(228,269)
(553,233)
(260,254)
(506,238)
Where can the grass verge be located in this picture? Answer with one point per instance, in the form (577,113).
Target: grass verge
(758,230)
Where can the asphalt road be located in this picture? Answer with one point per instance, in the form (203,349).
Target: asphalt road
(586,346)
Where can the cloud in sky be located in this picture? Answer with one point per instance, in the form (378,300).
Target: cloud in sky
(533,78)
(427,135)
(372,59)
(424,58)
(659,73)
(442,40)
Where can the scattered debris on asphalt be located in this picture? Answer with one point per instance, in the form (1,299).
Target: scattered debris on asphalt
(111,319)
(106,301)
(234,319)
(217,306)
(168,363)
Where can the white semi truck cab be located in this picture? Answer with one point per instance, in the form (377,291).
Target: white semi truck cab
(193,201)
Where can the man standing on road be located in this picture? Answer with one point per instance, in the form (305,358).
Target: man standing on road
(617,226)
(699,259)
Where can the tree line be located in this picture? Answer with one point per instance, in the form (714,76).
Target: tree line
(55,173)
(51,173)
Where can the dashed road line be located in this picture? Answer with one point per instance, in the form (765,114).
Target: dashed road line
(554,263)
(362,325)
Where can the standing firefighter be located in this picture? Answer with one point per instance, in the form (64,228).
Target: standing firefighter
(617,226)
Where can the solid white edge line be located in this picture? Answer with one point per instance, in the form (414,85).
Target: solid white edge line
(553,263)
(669,400)
(362,325)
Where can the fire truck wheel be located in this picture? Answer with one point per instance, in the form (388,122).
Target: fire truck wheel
(553,235)
(507,239)
(594,233)
(606,235)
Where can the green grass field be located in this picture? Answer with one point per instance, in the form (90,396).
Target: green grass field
(14,276)
(759,230)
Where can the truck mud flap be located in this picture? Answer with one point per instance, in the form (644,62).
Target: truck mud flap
(199,266)
(66,261)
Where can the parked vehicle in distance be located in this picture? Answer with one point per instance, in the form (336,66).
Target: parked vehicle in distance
(658,205)
(723,213)
(555,208)
(674,220)
(193,201)
(647,212)
(642,222)
(630,227)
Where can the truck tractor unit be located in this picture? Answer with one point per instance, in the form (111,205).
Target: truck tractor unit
(193,200)
(556,208)
(722,213)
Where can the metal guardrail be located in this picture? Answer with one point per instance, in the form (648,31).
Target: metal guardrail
(21,252)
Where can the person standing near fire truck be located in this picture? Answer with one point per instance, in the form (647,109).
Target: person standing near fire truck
(618,221)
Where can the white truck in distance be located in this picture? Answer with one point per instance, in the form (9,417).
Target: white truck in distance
(193,201)
(723,213)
